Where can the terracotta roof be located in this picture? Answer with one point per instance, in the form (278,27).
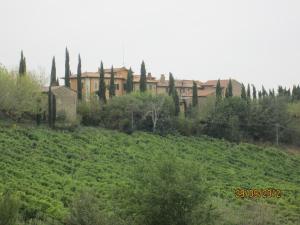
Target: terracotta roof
(224,83)
(136,79)
(94,75)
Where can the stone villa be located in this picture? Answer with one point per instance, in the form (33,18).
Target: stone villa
(90,85)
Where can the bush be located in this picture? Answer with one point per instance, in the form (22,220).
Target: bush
(90,112)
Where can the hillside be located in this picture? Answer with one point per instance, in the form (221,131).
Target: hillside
(47,168)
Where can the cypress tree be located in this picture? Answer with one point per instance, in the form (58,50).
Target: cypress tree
(259,94)
(171,84)
(294,93)
(53,72)
(112,88)
(243,92)
(102,87)
(264,92)
(248,92)
(67,69)
(254,95)
(143,79)
(195,95)
(22,66)
(176,102)
(228,93)
(79,85)
(218,91)
(129,82)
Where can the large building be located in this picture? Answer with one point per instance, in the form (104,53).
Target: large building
(90,85)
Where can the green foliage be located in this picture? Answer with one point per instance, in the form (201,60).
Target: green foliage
(171,88)
(67,69)
(195,94)
(53,72)
(90,112)
(79,85)
(85,210)
(112,88)
(243,92)
(48,168)
(228,92)
(20,96)
(129,81)
(176,103)
(169,192)
(143,78)
(102,87)
(22,66)
(254,94)
(218,91)
(248,92)
(9,208)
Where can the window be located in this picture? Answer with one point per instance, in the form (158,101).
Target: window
(117,86)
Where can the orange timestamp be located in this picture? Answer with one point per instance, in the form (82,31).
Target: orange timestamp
(258,193)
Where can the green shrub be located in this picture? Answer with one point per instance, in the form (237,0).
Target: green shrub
(9,209)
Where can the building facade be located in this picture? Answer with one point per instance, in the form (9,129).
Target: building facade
(90,85)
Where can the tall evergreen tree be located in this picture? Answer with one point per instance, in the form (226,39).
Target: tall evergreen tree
(129,82)
(171,84)
(195,94)
(218,91)
(259,94)
(53,72)
(264,92)
(22,66)
(176,102)
(229,93)
(102,87)
(143,79)
(79,85)
(254,94)
(112,87)
(243,92)
(67,69)
(248,92)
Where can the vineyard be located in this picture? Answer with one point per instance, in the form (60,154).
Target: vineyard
(48,168)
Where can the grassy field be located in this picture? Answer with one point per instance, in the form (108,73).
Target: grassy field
(47,168)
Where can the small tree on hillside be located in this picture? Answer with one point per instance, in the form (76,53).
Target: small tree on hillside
(218,91)
(143,78)
(112,88)
(67,69)
(243,92)
(171,84)
(102,87)
(195,94)
(228,92)
(264,92)
(53,73)
(248,92)
(22,66)
(79,85)
(129,82)
(176,102)
(254,94)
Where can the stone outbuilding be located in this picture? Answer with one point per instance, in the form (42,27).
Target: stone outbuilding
(66,103)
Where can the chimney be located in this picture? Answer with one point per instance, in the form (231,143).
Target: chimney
(162,77)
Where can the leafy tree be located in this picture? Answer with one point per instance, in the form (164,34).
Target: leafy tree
(228,92)
(254,94)
(102,87)
(22,66)
(53,72)
(67,69)
(171,84)
(79,84)
(218,91)
(195,94)
(112,87)
(143,78)
(243,92)
(9,209)
(129,82)
(248,92)
(172,192)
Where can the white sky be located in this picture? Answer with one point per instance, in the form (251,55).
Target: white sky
(255,41)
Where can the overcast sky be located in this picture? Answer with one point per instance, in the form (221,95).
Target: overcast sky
(255,41)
